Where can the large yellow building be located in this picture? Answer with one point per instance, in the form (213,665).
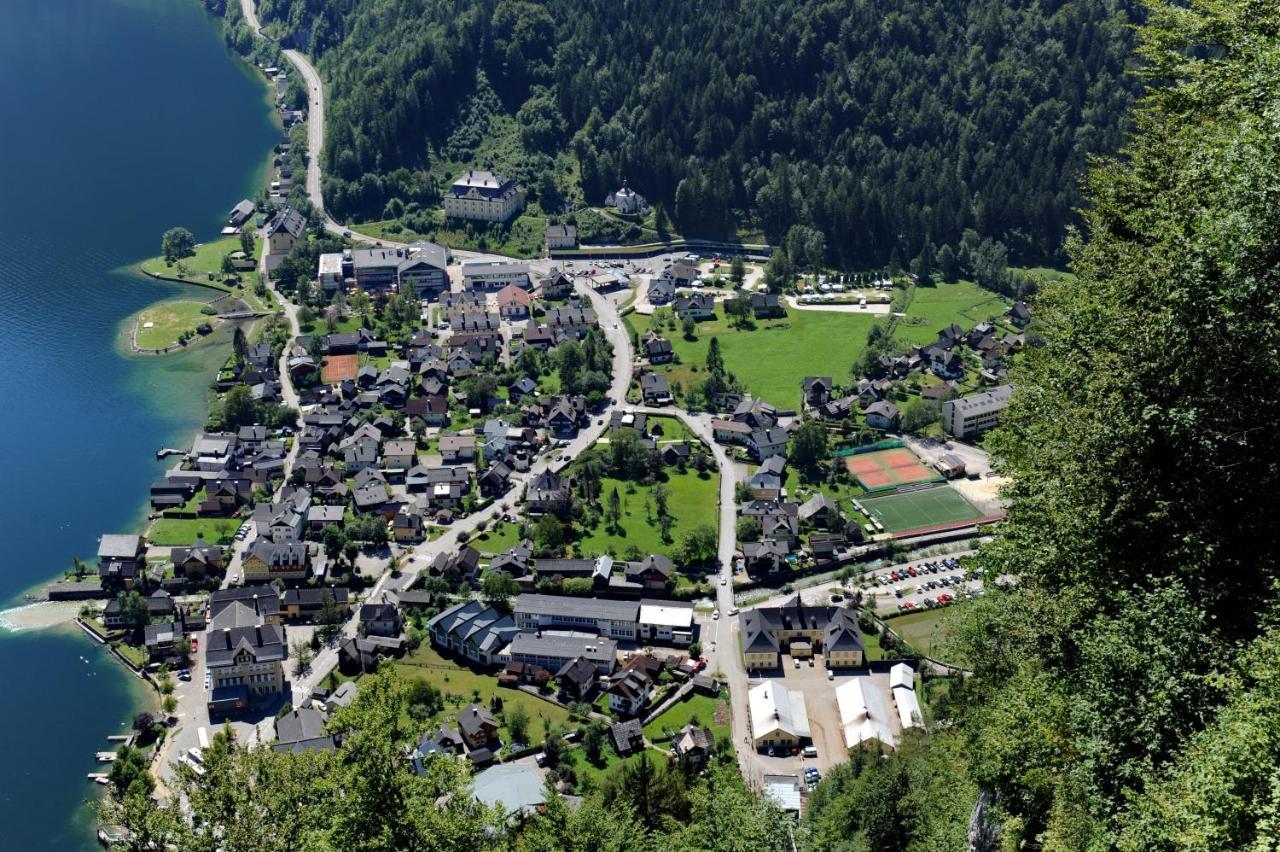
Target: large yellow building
(768,632)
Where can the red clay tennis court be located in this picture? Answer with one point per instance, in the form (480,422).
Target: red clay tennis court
(339,368)
(888,469)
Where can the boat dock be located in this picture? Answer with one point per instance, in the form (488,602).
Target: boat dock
(98,777)
(105,756)
(165,452)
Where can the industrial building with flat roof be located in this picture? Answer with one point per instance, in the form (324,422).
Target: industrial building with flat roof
(553,649)
(494,273)
(615,619)
(666,621)
(974,414)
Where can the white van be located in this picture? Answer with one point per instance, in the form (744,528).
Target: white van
(810,751)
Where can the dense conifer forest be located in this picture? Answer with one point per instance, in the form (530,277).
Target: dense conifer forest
(880,124)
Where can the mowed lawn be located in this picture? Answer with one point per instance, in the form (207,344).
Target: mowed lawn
(208,258)
(773,359)
(934,308)
(919,509)
(691,500)
(699,709)
(497,538)
(168,320)
(176,532)
(610,762)
(452,679)
(927,630)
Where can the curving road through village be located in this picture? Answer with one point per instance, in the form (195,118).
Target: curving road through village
(719,636)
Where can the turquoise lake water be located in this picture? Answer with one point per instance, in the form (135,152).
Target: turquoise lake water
(121,118)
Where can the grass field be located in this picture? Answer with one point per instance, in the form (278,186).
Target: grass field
(175,532)
(935,308)
(925,630)
(499,537)
(522,237)
(701,708)
(207,259)
(691,500)
(610,762)
(453,680)
(773,359)
(168,322)
(919,509)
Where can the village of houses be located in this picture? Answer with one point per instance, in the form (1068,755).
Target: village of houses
(427,510)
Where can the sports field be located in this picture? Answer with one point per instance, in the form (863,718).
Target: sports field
(339,368)
(919,511)
(888,469)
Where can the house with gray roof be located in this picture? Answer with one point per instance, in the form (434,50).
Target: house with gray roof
(302,730)
(245,665)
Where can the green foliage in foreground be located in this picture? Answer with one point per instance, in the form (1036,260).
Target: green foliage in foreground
(365,796)
(1125,692)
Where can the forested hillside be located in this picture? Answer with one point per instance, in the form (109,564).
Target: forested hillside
(1127,694)
(879,123)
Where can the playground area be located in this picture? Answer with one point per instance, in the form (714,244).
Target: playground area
(882,470)
(923,510)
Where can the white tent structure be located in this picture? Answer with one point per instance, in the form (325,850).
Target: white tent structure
(902,675)
(777,714)
(908,708)
(863,713)
(902,679)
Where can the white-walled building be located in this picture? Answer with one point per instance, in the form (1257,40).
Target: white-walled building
(972,415)
(494,273)
(902,682)
(614,619)
(483,196)
(626,200)
(778,715)
(864,715)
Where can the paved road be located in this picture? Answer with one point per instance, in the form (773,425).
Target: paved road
(720,647)
(869,309)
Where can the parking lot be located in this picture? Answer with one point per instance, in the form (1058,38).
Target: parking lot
(825,728)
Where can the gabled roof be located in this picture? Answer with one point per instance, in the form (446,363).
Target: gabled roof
(774,707)
(476,719)
(287,220)
(842,633)
(579,670)
(262,643)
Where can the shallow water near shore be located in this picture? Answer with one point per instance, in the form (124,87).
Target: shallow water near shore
(123,118)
